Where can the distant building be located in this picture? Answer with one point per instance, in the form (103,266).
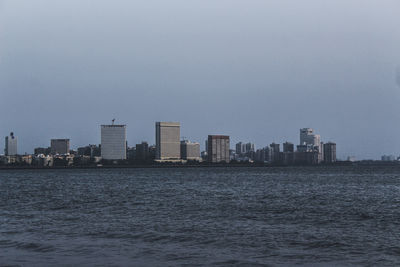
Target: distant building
(287,155)
(11,145)
(288,147)
(90,151)
(190,151)
(113,142)
(142,152)
(306,157)
(274,153)
(168,141)
(131,153)
(152,152)
(329,152)
(311,141)
(240,148)
(263,155)
(388,158)
(42,151)
(244,149)
(307,137)
(250,147)
(218,148)
(59,146)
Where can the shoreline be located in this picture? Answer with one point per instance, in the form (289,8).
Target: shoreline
(178,166)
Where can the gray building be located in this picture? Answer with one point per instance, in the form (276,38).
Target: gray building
(11,145)
(113,142)
(263,155)
(59,146)
(250,147)
(190,151)
(90,150)
(288,147)
(168,145)
(329,152)
(142,152)
(275,153)
(218,148)
(240,148)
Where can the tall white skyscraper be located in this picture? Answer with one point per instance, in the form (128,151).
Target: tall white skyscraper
(113,142)
(168,146)
(11,145)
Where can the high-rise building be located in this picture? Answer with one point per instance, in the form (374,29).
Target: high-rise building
(11,145)
(329,152)
(288,147)
(59,146)
(113,142)
(168,145)
(262,155)
(240,148)
(190,151)
(310,142)
(307,137)
(274,152)
(250,147)
(218,148)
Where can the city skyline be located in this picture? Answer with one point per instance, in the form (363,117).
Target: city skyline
(305,138)
(74,146)
(170,147)
(253,69)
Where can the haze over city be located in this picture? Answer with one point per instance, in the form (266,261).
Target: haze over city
(255,70)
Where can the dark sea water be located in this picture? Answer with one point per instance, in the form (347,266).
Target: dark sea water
(201,216)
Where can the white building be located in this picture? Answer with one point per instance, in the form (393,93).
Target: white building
(11,145)
(190,151)
(311,142)
(168,146)
(113,142)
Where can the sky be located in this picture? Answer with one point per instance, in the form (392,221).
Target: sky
(257,70)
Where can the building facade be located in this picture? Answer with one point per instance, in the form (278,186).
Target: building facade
(168,145)
(113,142)
(307,137)
(329,152)
(59,146)
(218,148)
(288,147)
(11,145)
(190,151)
(142,152)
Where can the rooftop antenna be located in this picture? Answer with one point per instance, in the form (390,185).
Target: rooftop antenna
(113,120)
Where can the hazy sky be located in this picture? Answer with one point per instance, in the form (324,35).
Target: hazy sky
(255,70)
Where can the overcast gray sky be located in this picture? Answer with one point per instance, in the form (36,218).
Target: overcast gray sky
(255,70)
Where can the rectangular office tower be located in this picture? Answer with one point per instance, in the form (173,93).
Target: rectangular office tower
(113,142)
(218,148)
(168,146)
(59,146)
(11,145)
